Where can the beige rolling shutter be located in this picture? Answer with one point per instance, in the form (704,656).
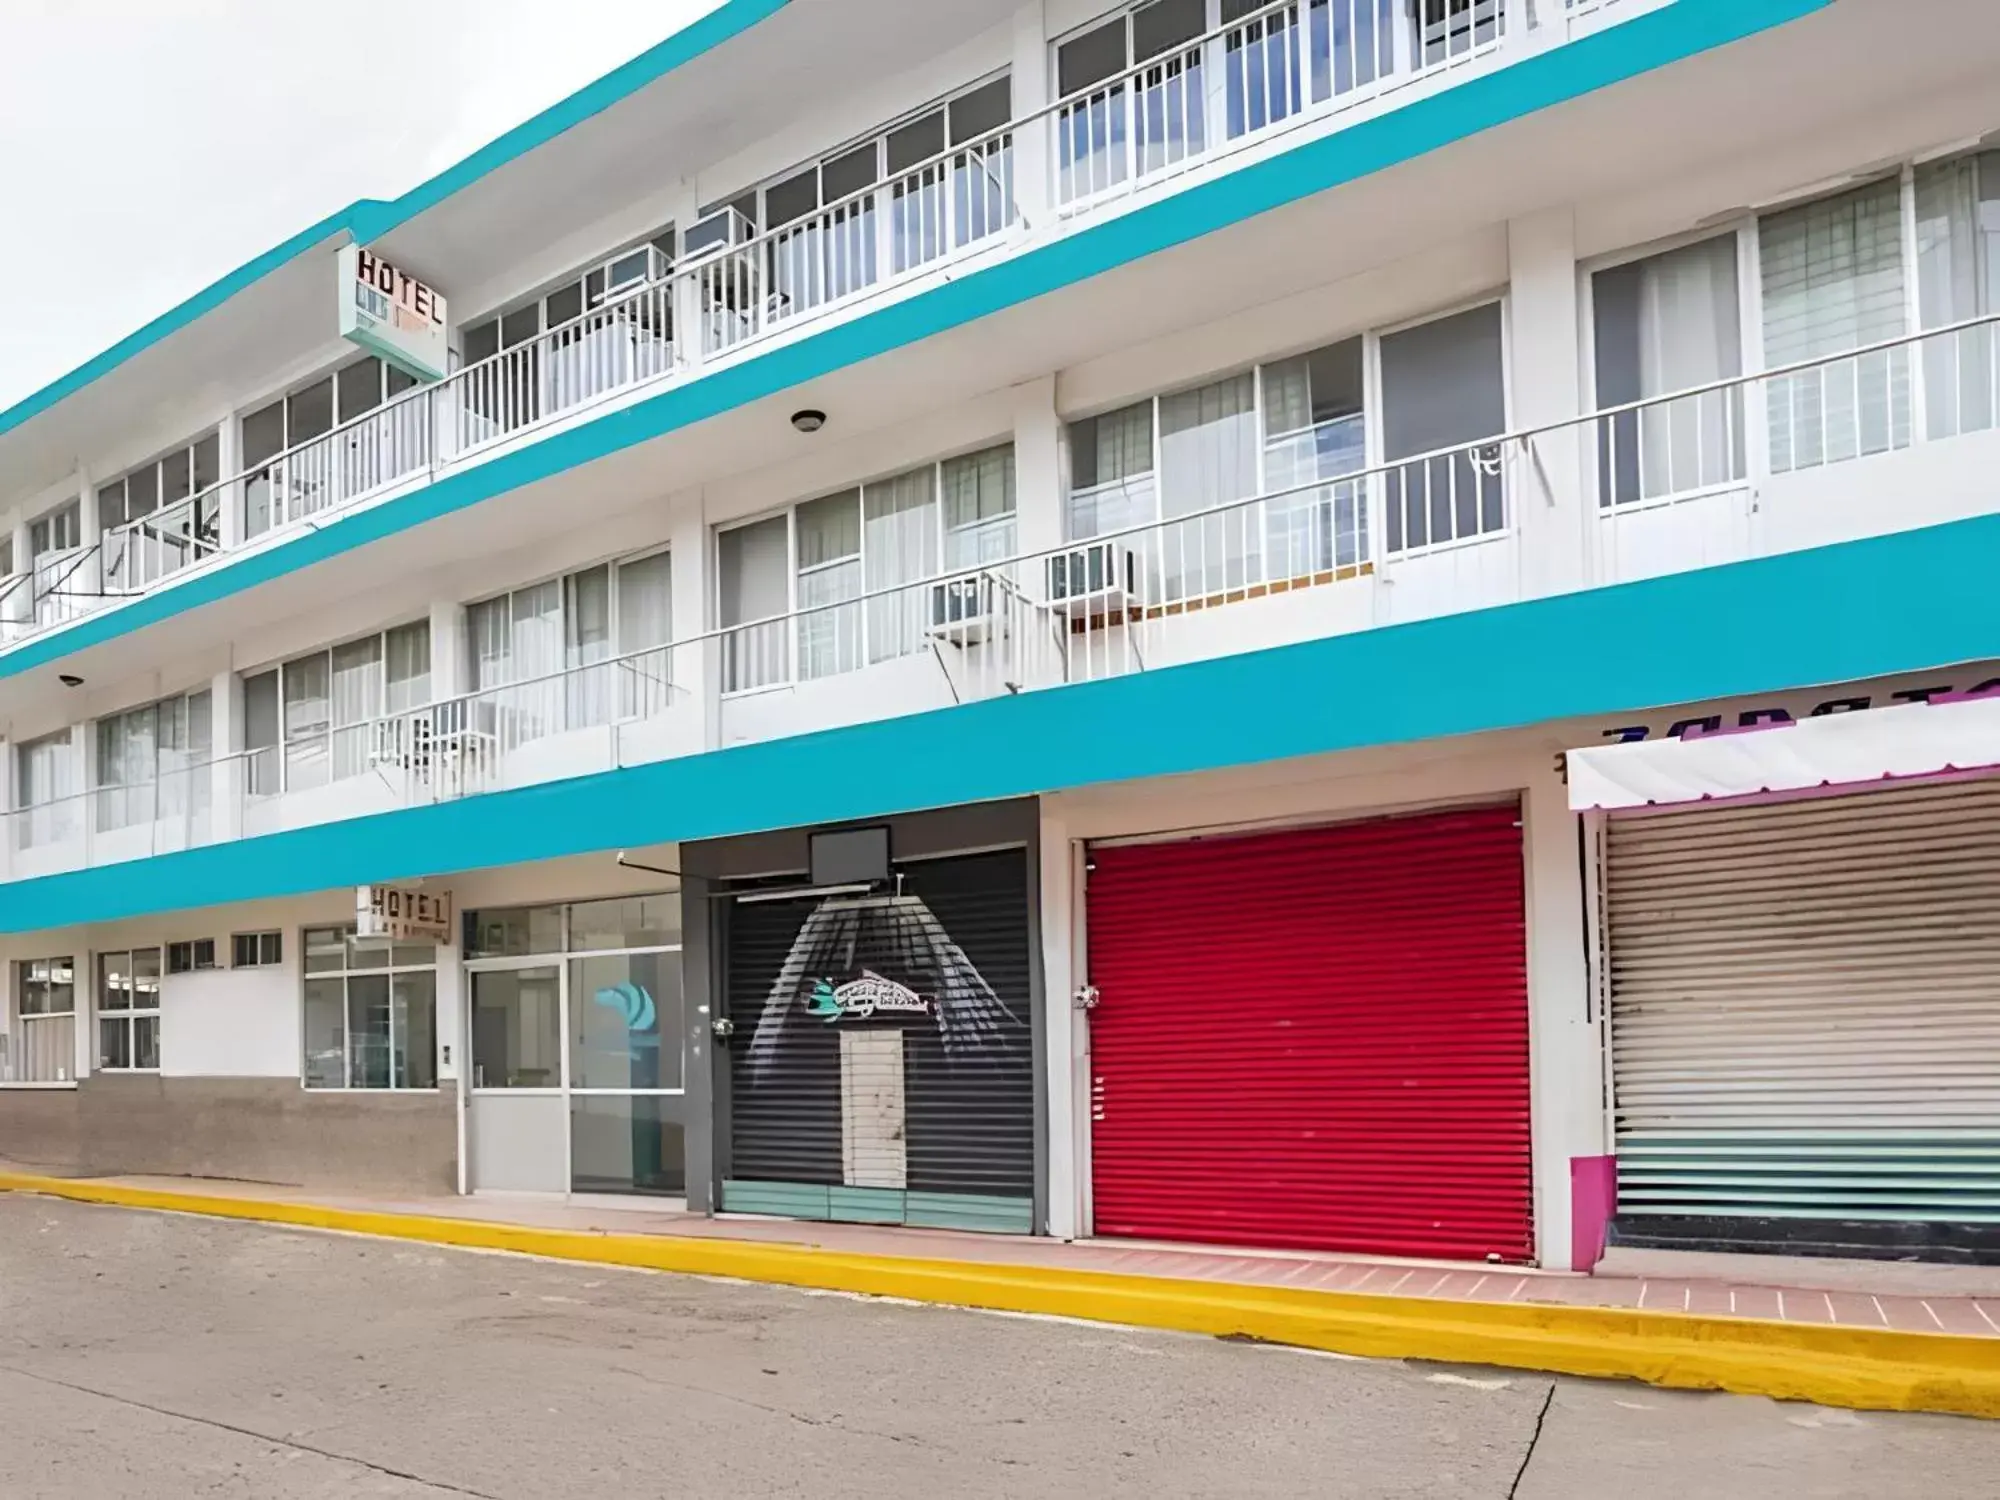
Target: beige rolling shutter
(1805,1007)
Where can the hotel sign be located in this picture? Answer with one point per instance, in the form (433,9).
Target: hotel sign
(390,313)
(402,913)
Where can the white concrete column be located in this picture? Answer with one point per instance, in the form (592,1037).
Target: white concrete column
(1033,87)
(696,667)
(229,458)
(1545,381)
(229,777)
(1566,1051)
(451,669)
(8,836)
(1038,476)
(1065,1052)
(88,580)
(450,1009)
(19,605)
(77,944)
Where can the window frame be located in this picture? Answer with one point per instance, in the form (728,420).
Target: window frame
(660,248)
(25,1019)
(280,781)
(128,1017)
(794,571)
(273,939)
(199,956)
(562,959)
(757,193)
(68,748)
(208,525)
(195,759)
(388,973)
(46,532)
(615,568)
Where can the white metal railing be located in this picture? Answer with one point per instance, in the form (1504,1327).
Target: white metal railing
(1120,599)
(1287,64)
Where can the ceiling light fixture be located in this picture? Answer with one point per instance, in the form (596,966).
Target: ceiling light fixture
(809,420)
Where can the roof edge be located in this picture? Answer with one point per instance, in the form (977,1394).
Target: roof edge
(370,218)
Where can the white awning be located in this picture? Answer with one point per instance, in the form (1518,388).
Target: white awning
(1839,751)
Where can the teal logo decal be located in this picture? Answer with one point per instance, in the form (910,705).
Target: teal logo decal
(860,998)
(632,1002)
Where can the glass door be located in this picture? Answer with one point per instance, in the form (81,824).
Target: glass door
(514,1107)
(577,1079)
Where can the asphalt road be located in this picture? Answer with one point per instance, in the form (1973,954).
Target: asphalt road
(148,1355)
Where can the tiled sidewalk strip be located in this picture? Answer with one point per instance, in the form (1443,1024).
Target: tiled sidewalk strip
(1831,1365)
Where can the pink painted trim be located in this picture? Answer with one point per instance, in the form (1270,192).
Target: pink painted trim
(1804,793)
(1593,1198)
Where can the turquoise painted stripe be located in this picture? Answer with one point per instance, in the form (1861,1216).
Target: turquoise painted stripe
(789,1200)
(370,218)
(1681,30)
(971,1211)
(1860,609)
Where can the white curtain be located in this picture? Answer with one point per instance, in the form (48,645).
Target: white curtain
(1958,270)
(1208,456)
(357,700)
(899,545)
(589,696)
(307,709)
(753,570)
(645,622)
(491,639)
(407,662)
(535,622)
(1833,281)
(829,543)
(1690,333)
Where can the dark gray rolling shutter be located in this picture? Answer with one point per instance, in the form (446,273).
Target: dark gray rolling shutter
(920,1117)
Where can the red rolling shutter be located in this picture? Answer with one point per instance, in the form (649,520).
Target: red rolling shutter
(1315,1038)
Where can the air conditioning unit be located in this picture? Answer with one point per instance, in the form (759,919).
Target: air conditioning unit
(724,229)
(966,610)
(1095,578)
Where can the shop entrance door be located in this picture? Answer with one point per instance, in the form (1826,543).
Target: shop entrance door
(576,1079)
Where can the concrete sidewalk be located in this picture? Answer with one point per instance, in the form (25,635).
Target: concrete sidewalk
(1858,1334)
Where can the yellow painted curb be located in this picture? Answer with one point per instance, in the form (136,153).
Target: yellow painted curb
(1868,1369)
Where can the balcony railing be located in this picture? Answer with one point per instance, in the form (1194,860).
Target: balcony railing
(1670,482)
(1287,66)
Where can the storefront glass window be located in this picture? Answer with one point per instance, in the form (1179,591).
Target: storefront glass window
(370,1017)
(625,922)
(514,932)
(517,1028)
(624,1021)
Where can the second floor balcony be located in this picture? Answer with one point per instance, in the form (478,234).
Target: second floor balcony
(1303,538)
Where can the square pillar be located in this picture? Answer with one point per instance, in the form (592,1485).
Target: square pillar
(229,777)
(1066,1034)
(451,668)
(87,583)
(231,521)
(1038,477)
(1565,1030)
(1034,139)
(695,665)
(1545,379)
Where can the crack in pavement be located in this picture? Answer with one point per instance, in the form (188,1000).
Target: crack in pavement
(262,1437)
(1535,1437)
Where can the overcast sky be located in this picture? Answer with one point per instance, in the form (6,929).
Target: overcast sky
(148,147)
